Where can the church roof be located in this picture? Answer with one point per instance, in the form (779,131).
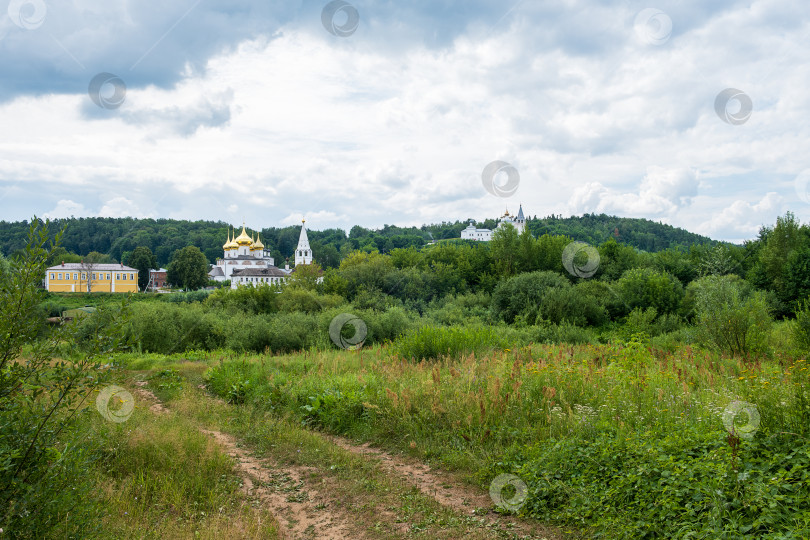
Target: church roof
(303,241)
(520,213)
(243,239)
(216,272)
(260,272)
(258,243)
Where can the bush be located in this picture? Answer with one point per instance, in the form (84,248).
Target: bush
(45,491)
(432,342)
(521,295)
(801,327)
(647,288)
(262,299)
(573,305)
(730,317)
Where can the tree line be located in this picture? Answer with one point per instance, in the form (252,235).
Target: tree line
(114,239)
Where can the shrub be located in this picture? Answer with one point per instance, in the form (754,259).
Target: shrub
(431,342)
(801,327)
(648,288)
(44,454)
(573,305)
(522,294)
(262,299)
(729,317)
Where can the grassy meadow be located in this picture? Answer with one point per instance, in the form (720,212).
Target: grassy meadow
(618,441)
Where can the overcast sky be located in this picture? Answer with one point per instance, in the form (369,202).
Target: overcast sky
(382,112)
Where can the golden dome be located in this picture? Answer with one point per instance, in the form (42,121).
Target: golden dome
(257,245)
(230,244)
(243,239)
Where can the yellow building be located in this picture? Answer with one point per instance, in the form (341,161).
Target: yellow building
(72,277)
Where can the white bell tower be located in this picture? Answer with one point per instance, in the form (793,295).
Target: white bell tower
(303,253)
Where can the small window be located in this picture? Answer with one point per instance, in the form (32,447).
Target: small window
(52,275)
(117,277)
(84,275)
(60,275)
(108,276)
(75,275)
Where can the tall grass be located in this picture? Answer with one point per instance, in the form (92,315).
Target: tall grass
(621,437)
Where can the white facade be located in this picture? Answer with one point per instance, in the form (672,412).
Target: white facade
(473,233)
(518,221)
(259,277)
(485,235)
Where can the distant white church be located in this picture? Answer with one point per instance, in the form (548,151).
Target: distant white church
(485,235)
(247,262)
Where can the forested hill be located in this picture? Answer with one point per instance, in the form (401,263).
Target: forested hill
(118,236)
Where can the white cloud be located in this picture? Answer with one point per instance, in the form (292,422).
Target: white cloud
(66,208)
(365,130)
(742,220)
(120,207)
(662,192)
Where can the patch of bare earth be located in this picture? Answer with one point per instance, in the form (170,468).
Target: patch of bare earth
(147,395)
(447,489)
(302,514)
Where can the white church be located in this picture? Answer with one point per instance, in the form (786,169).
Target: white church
(485,235)
(247,262)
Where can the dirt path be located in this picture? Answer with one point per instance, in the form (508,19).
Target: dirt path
(303,514)
(145,394)
(444,488)
(432,483)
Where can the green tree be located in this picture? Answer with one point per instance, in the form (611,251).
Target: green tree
(730,316)
(648,288)
(364,269)
(143,260)
(306,276)
(44,488)
(797,275)
(718,261)
(615,259)
(327,255)
(787,236)
(59,255)
(188,269)
(523,294)
(528,251)
(801,326)
(505,246)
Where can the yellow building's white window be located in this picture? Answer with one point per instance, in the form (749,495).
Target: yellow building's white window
(60,275)
(84,275)
(94,275)
(52,275)
(108,276)
(117,276)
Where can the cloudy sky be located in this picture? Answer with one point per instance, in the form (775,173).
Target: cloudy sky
(688,112)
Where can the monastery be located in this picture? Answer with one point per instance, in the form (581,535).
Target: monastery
(247,262)
(485,235)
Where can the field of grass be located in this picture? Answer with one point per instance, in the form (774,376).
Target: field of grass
(618,441)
